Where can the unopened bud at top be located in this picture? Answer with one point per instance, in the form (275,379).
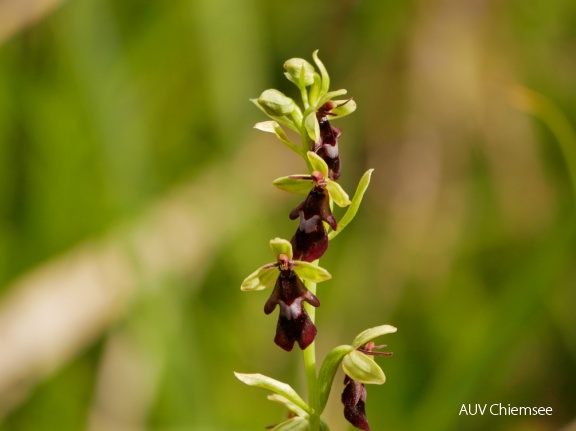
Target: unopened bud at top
(276,103)
(294,68)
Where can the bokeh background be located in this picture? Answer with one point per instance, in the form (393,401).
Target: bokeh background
(135,196)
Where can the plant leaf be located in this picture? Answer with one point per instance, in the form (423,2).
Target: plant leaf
(328,371)
(288,404)
(356,201)
(275,386)
(276,129)
(294,424)
(369,334)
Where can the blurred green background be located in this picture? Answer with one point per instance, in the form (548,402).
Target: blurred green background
(135,196)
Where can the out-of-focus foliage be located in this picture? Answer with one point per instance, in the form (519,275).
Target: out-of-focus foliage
(466,240)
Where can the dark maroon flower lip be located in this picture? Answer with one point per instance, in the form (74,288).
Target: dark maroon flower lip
(310,241)
(327,145)
(354,400)
(294,324)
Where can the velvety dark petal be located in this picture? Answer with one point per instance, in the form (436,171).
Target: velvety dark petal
(327,147)
(354,400)
(290,331)
(294,324)
(316,203)
(310,244)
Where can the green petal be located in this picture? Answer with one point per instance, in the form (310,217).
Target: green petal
(294,185)
(312,126)
(342,111)
(281,246)
(317,163)
(294,424)
(363,368)
(261,278)
(337,193)
(372,333)
(310,272)
(356,200)
(275,386)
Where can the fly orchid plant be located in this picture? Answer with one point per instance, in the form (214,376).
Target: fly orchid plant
(296,271)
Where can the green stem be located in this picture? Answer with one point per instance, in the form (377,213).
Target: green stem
(309,355)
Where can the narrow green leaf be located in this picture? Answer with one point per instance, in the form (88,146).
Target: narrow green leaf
(294,424)
(281,246)
(337,193)
(356,201)
(276,129)
(294,185)
(261,278)
(327,372)
(363,368)
(275,386)
(310,272)
(372,333)
(288,404)
(286,121)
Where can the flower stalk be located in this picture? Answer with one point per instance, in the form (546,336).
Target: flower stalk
(295,273)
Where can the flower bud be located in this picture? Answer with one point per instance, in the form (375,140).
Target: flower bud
(276,103)
(294,69)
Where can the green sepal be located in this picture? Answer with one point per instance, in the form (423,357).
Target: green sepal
(328,371)
(276,103)
(331,95)
(275,386)
(317,163)
(314,92)
(295,184)
(293,424)
(345,108)
(261,278)
(310,272)
(369,334)
(356,201)
(281,246)
(288,404)
(363,368)
(312,126)
(323,73)
(337,193)
(276,129)
(294,68)
(323,426)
